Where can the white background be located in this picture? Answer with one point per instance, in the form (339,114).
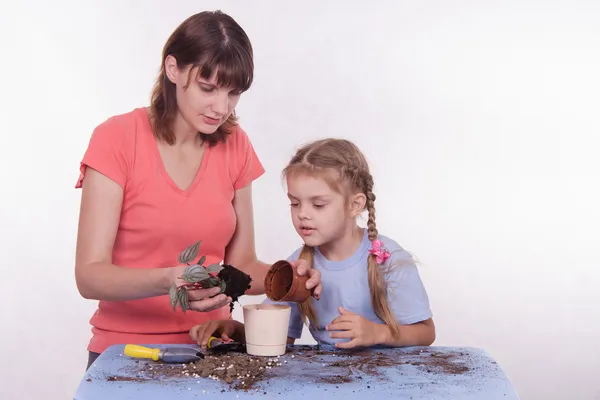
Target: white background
(480,119)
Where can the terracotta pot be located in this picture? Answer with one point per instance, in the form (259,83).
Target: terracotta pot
(266,328)
(283,283)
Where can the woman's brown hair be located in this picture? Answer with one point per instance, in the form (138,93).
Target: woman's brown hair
(209,42)
(343,166)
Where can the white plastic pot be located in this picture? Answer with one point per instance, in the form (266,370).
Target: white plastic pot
(266,327)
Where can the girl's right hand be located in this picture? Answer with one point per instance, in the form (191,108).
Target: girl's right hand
(200,299)
(227,329)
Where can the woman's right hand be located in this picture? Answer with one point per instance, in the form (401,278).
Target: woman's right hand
(227,329)
(200,299)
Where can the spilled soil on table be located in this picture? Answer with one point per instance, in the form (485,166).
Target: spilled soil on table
(240,371)
(344,366)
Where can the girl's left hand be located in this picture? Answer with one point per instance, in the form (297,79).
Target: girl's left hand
(314,277)
(361,331)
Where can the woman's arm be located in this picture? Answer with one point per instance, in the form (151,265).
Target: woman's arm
(241,251)
(97,278)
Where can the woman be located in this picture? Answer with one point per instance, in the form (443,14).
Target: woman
(158,179)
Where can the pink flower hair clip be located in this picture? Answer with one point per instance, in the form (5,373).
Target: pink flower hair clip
(379,251)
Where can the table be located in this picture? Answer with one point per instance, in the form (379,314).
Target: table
(310,372)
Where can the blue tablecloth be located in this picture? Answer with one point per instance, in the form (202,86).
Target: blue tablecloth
(310,373)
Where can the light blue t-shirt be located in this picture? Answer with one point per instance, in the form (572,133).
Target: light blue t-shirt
(345,283)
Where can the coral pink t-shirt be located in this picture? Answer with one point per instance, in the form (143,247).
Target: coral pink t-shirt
(159,220)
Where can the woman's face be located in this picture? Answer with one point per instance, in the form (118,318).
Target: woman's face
(203,105)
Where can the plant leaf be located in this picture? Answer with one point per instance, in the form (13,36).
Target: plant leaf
(190,269)
(214,268)
(189,254)
(211,282)
(173,295)
(201,260)
(195,273)
(183,300)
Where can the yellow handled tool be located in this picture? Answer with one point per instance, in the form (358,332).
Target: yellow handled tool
(218,344)
(169,355)
(213,342)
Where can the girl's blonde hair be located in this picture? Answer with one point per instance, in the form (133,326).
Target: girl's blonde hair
(343,166)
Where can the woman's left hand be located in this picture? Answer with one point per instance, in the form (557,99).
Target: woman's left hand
(314,277)
(360,331)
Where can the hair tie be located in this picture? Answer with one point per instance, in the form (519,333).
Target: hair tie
(379,251)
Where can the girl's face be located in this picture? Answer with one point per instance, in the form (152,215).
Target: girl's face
(203,105)
(319,214)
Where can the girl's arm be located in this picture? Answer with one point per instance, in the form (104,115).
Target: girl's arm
(241,252)
(362,332)
(419,334)
(409,302)
(96,276)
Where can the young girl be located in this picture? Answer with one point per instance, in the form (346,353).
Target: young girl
(372,293)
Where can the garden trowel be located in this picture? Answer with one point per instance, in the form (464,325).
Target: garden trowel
(168,355)
(217,345)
